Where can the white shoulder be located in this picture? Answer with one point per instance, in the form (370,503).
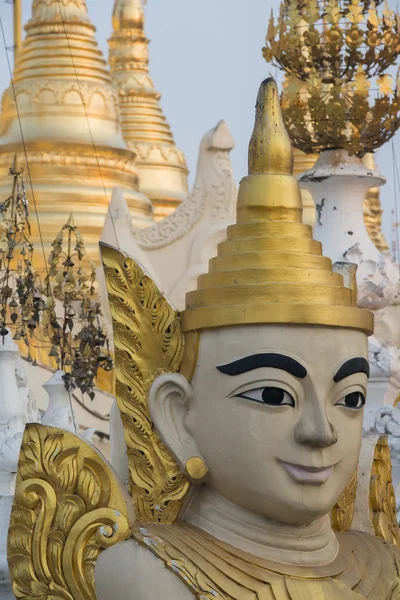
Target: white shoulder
(129,572)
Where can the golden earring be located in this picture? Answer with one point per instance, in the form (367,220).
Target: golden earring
(196,468)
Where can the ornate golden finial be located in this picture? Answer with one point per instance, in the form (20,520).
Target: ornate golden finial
(162,167)
(340,51)
(128,14)
(270,270)
(17,26)
(270,150)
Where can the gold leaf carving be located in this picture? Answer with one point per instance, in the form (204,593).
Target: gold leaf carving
(343,511)
(148,341)
(340,53)
(67,509)
(382,499)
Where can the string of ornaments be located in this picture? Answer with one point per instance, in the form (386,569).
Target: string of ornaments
(57,311)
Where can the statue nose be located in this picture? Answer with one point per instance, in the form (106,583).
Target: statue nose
(314,428)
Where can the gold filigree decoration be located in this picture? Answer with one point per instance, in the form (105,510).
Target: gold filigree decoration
(340,51)
(343,512)
(148,341)
(67,509)
(382,498)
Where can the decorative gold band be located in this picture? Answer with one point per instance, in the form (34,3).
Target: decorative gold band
(301,314)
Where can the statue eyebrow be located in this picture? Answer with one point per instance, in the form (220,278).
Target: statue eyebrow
(352,366)
(256,361)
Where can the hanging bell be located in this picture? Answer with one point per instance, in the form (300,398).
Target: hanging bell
(71,312)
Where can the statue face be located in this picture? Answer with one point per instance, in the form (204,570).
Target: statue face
(277,415)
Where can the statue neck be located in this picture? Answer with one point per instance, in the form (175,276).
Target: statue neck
(308,545)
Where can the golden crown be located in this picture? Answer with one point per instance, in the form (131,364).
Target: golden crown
(270,270)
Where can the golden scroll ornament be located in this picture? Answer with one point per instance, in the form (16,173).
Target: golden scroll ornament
(67,509)
(382,498)
(148,341)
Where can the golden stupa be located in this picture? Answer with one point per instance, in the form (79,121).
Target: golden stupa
(69,116)
(161,165)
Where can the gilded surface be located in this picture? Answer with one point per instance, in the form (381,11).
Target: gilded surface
(373,211)
(70,117)
(67,509)
(343,511)
(382,497)
(341,51)
(162,166)
(270,245)
(147,341)
(364,568)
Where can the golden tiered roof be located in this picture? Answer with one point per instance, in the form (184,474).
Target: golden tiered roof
(162,167)
(70,121)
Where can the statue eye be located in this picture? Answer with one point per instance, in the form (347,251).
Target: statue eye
(271,396)
(354,401)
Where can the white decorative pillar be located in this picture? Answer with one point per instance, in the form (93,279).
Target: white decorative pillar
(26,394)
(59,412)
(338,183)
(12,423)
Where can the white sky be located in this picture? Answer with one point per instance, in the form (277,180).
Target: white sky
(206,61)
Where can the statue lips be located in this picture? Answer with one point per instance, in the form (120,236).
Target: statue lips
(310,475)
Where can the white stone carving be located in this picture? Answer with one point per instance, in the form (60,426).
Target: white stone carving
(212,193)
(339,184)
(27,396)
(13,417)
(189,236)
(59,412)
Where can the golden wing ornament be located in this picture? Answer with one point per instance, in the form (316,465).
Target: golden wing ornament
(68,507)
(148,341)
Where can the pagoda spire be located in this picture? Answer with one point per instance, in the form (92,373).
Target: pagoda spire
(68,112)
(162,167)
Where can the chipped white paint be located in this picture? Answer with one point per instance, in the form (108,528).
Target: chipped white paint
(339,184)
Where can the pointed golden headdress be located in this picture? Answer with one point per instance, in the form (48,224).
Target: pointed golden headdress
(270,270)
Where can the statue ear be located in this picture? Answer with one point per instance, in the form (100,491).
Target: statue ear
(169,398)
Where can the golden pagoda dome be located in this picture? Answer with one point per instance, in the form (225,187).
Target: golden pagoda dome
(162,167)
(67,111)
